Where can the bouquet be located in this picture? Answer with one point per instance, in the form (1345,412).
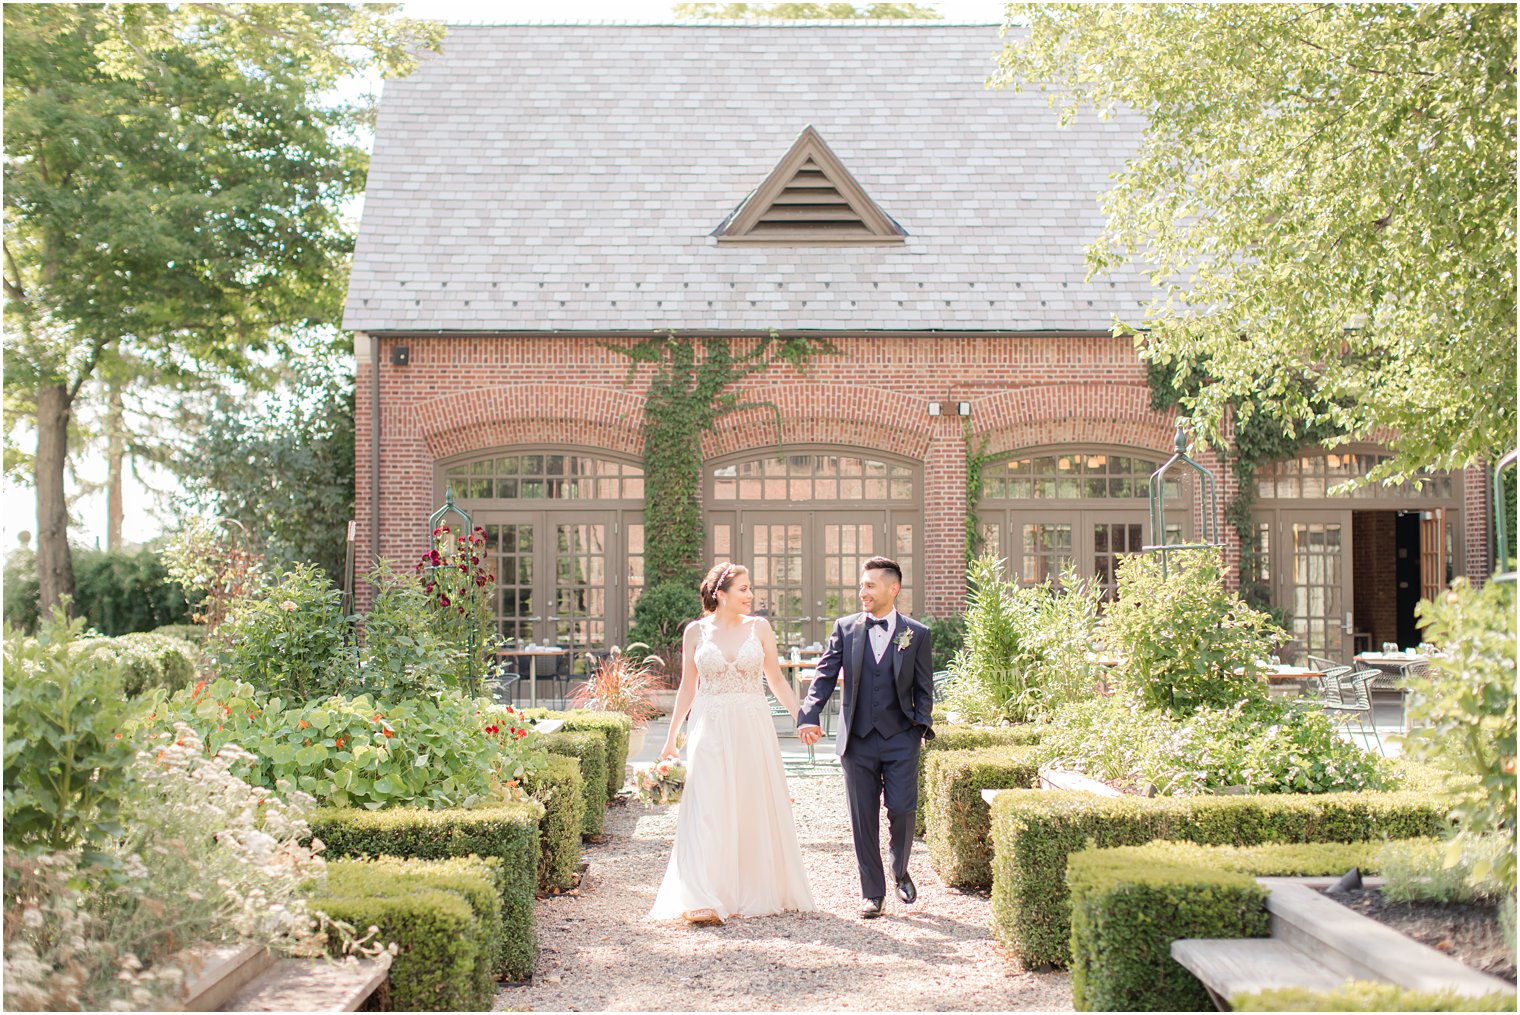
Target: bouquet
(661,782)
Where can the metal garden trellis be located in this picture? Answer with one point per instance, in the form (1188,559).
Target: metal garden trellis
(435,520)
(1502,519)
(1208,503)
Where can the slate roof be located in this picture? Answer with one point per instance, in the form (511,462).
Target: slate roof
(569,178)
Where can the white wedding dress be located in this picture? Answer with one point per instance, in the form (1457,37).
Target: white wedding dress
(736,848)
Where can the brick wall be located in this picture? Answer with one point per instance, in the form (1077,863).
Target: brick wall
(460,395)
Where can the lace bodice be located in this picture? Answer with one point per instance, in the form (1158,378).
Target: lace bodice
(717,674)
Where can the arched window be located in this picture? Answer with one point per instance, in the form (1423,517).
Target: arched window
(804,519)
(566,529)
(1045,510)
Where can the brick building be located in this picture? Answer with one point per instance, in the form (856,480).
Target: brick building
(539,193)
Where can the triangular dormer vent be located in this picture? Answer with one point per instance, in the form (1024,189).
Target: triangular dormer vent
(809,198)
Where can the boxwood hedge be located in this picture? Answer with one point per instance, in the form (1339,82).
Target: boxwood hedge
(1035,831)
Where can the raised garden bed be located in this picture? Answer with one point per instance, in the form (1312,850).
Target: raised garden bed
(1468,932)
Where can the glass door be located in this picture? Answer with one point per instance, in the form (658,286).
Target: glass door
(845,543)
(1315,580)
(777,553)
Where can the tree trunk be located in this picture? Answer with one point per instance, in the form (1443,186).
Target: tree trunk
(55,565)
(115,455)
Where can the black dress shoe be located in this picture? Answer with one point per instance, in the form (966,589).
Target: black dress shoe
(871,910)
(905,888)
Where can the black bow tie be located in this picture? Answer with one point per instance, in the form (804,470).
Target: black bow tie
(873,622)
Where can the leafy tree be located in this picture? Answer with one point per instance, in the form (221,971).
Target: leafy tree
(1325,196)
(174,183)
(805,12)
(283,465)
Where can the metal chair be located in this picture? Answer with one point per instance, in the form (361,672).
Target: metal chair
(942,679)
(1331,669)
(1352,703)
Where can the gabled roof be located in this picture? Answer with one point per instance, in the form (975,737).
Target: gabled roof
(570,177)
(809,198)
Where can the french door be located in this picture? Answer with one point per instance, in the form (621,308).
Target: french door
(1313,571)
(564,577)
(805,565)
(1041,544)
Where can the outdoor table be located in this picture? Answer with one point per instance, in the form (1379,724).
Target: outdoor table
(1279,675)
(1393,664)
(533,654)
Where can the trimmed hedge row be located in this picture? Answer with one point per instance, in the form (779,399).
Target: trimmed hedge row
(965,738)
(614,726)
(560,787)
(508,832)
(1035,831)
(1130,903)
(589,749)
(959,823)
(444,917)
(1361,995)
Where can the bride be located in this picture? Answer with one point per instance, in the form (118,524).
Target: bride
(736,851)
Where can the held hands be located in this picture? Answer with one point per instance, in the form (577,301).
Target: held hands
(809,735)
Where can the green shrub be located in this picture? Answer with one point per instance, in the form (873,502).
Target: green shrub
(1035,831)
(405,654)
(1418,870)
(443,751)
(948,637)
(195,634)
(615,728)
(438,942)
(477,880)
(965,738)
(560,787)
(1186,640)
(959,822)
(1462,716)
(1361,995)
(1264,746)
(508,832)
(1129,904)
(660,617)
(589,748)
(291,638)
(67,776)
(116,593)
(1025,651)
(148,660)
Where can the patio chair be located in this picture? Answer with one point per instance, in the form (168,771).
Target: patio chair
(942,679)
(1353,704)
(1331,669)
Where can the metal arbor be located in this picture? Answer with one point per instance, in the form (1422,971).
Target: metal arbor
(435,520)
(1208,501)
(1502,518)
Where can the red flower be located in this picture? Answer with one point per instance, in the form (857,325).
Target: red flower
(493,729)
(444,529)
(388,733)
(437,531)
(474,560)
(520,733)
(443,600)
(480,528)
(198,689)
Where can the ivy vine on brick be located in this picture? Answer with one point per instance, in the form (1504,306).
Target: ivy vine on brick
(976,458)
(690,390)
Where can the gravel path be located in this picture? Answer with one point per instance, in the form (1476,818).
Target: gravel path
(598,953)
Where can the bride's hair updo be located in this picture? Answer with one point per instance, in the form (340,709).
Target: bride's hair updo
(718,580)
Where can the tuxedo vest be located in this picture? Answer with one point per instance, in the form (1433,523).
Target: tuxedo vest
(878,707)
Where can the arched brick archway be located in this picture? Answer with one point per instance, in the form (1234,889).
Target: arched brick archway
(866,418)
(1112,414)
(531,414)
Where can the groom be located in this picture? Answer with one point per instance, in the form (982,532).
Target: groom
(883,658)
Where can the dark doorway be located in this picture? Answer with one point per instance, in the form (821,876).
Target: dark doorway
(1407,575)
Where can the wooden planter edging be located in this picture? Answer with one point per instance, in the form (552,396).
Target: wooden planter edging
(1319,944)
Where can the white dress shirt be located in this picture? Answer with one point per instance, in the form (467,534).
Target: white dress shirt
(881,637)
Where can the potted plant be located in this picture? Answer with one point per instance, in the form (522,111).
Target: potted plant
(622,681)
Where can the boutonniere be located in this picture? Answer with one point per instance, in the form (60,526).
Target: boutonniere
(904,640)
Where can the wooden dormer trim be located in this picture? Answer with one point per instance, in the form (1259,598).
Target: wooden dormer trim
(809,199)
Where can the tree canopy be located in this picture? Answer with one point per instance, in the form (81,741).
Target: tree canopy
(176,178)
(1325,197)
